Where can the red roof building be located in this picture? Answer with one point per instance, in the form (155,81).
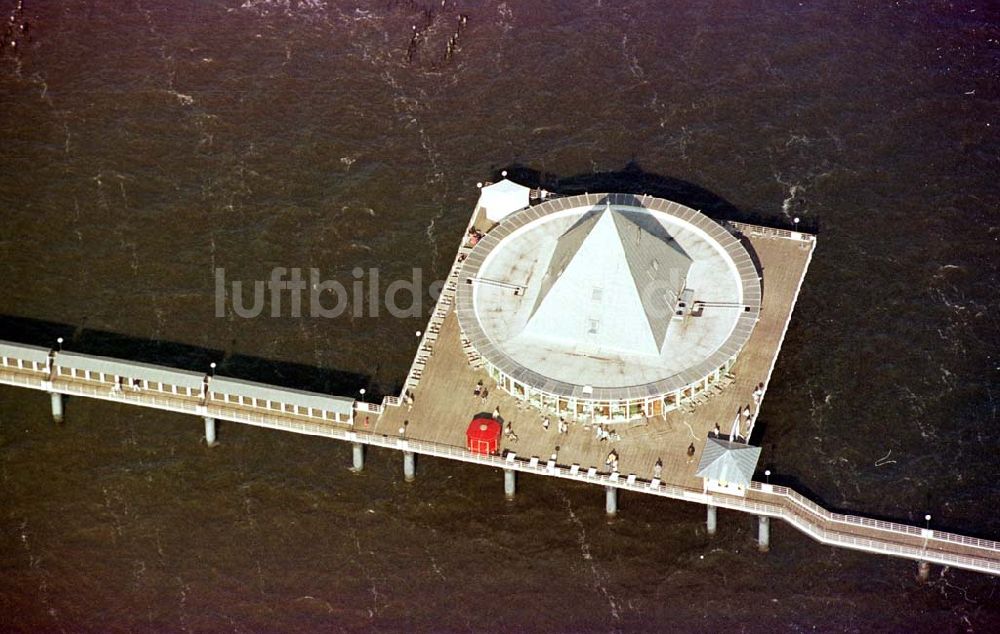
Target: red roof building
(483,436)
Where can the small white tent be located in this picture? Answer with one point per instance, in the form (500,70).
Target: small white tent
(503,198)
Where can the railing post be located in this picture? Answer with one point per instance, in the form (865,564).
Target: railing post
(611,501)
(409,466)
(210,431)
(358,451)
(57,407)
(710,520)
(763,533)
(509,483)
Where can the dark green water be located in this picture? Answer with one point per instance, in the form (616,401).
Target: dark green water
(144,144)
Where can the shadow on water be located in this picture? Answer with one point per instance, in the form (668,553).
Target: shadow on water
(185,357)
(632,179)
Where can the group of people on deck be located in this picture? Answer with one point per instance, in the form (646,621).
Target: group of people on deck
(743,418)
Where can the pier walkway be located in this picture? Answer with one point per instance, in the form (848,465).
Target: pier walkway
(835,529)
(849,531)
(433,422)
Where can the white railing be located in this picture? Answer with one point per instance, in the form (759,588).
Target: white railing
(21,380)
(371,408)
(758,230)
(791,506)
(855,520)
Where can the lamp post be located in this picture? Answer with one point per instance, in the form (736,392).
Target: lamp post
(796,221)
(767,474)
(60,342)
(211,367)
(362,392)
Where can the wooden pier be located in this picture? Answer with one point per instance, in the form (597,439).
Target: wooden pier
(441,381)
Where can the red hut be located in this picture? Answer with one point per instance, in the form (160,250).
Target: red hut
(483,436)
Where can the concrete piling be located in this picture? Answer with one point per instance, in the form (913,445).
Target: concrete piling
(611,501)
(358,454)
(409,466)
(210,431)
(57,407)
(509,483)
(923,571)
(763,533)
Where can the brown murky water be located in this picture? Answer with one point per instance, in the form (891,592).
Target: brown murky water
(144,144)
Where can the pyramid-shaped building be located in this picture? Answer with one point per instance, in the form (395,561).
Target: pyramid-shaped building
(613,281)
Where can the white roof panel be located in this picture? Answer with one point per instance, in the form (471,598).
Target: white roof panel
(24,351)
(131,369)
(239,387)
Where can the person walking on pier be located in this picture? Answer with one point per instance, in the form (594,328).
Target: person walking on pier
(496,413)
(509,431)
(758,394)
(658,468)
(612,460)
(478,391)
(691,450)
(484,394)
(545,423)
(563,427)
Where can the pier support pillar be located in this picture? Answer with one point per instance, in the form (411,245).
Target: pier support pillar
(209,431)
(763,533)
(923,571)
(509,483)
(358,453)
(57,407)
(710,520)
(611,501)
(409,466)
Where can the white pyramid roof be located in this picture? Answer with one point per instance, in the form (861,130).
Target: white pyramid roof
(503,198)
(726,461)
(611,285)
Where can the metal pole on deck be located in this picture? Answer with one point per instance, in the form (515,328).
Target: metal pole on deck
(924,567)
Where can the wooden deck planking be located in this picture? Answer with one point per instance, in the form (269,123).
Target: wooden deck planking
(444,405)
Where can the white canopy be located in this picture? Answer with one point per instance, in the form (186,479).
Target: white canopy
(503,198)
